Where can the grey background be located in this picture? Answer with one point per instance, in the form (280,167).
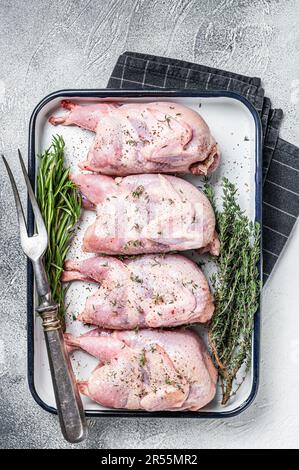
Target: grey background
(49,45)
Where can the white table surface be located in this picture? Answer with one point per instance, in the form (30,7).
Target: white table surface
(49,45)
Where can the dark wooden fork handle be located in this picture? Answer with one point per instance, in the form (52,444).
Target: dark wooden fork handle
(68,401)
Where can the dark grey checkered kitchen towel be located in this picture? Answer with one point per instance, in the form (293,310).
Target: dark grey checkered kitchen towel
(280,159)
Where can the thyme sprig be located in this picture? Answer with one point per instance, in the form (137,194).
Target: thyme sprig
(60,205)
(236,287)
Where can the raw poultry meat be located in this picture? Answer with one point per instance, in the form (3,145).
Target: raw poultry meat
(144,291)
(152,370)
(146,214)
(132,138)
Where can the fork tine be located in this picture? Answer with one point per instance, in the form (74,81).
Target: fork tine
(20,212)
(41,229)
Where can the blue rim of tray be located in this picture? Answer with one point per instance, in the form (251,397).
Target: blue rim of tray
(167,93)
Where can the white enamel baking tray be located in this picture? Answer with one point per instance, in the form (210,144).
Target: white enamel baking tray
(236,127)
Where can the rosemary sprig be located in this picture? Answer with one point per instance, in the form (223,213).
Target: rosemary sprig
(60,205)
(236,287)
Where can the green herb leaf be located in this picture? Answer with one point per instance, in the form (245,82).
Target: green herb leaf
(236,287)
(60,205)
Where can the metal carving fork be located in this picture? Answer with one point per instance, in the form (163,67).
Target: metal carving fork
(68,401)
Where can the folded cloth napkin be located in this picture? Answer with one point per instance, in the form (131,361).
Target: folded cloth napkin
(280,158)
